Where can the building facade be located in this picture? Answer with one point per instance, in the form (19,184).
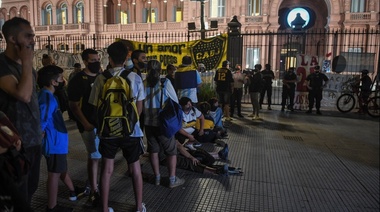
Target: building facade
(267,26)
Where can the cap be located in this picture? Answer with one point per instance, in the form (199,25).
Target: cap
(77,65)
(186,61)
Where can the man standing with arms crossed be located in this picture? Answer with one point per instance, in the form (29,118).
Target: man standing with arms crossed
(79,90)
(18,97)
(315,83)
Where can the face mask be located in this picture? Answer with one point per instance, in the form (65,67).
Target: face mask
(59,86)
(129,64)
(94,67)
(142,65)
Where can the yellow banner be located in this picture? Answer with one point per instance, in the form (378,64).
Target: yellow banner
(211,51)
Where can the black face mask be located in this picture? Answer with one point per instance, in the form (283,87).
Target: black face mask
(142,65)
(94,67)
(59,86)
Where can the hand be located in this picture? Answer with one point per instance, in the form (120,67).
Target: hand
(201,132)
(195,161)
(25,53)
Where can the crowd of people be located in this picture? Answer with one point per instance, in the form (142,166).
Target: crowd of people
(37,114)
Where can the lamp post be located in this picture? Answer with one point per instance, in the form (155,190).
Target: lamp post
(235,41)
(203,30)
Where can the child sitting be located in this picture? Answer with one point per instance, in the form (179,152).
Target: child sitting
(55,142)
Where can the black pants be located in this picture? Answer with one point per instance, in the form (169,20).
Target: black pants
(288,93)
(236,99)
(268,89)
(317,96)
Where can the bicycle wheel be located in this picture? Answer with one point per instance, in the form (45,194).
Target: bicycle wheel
(373,107)
(345,103)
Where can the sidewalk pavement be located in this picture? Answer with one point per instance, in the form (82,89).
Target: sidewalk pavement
(292,161)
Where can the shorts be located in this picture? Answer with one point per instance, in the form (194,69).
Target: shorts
(156,141)
(56,163)
(224,97)
(132,148)
(91,141)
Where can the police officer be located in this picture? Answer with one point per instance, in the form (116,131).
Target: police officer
(268,76)
(288,88)
(315,83)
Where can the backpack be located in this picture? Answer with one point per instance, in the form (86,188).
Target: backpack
(117,113)
(170,115)
(12,154)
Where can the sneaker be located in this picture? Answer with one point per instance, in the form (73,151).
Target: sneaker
(223,154)
(59,208)
(110,209)
(73,194)
(228,119)
(157,181)
(269,108)
(87,190)
(93,200)
(190,146)
(255,118)
(197,144)
(176,183)
(143,208)
(223,170)
(251,115)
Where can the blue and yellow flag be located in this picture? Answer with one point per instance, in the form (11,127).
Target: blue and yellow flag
(211,51)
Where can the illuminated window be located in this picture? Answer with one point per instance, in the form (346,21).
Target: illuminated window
(79,12)
(123,17)
(47,15)
(177,14)
(217,8)
(254,55)
(150,15)
(357,6)
(62,14)
(254,7)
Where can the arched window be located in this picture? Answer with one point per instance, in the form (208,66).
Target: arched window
(63,47)
(47,18)
(254,7)
(79,12)
(217,8)
(62,14)
(78,47)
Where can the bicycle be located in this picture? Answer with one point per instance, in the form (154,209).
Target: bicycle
(347,101)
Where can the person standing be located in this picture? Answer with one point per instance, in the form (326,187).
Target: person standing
(315,83)
(365,90)
(55,143)
(154,90)
(268,77)
(224,87)
(139,63)
(288,88)
(79,90)
(187,80)
(132,147)
(237,94)
(171,69)
(18,96)
(255,86)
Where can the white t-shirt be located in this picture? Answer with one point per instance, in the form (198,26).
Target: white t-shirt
(189,120)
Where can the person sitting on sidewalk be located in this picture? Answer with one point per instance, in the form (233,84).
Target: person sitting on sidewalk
(199,160)
(55,142)
(211,132)
(217,114)
(188,130)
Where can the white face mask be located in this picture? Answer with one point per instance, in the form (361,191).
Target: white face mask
(129,64)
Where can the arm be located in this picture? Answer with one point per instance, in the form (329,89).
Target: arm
(182,150)
(202,122)
(184,133)
(21,90)
(75,108)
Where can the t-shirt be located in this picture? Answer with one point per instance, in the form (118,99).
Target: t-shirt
(190,119)
(316,80)
(268,76)
(136,84)
(290,76)
(79,90)
(223,78)
(24,116)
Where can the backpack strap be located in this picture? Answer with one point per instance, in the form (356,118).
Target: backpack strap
(162,90)
(125,73)
(107,74)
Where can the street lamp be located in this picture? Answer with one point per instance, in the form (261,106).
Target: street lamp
(203,30)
